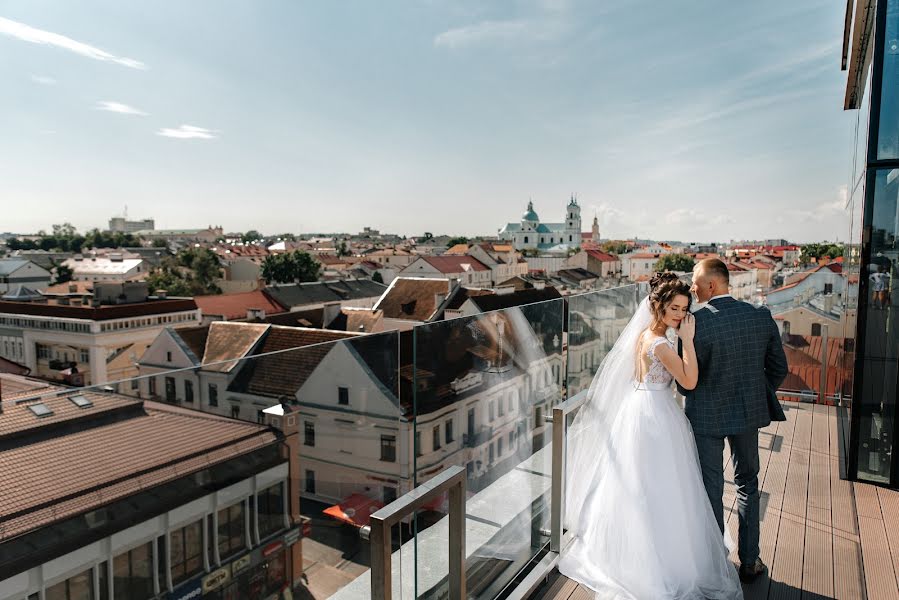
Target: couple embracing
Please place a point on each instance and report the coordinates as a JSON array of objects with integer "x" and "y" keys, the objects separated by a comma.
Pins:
[{"x": 645, "y": 484}]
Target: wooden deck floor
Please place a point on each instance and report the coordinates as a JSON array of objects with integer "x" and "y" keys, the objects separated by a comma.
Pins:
[{"x": 822, "y": 537}]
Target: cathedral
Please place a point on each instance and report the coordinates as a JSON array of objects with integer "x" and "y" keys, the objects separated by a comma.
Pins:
[{"x": 531, "y": 234}]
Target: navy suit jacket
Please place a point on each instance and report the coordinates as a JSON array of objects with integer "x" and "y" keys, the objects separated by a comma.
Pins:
[{"x": 741, "y": 366}]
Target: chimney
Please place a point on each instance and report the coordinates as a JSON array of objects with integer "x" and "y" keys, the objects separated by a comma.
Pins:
[
  {"x": 255, "y": 313},
  {"x": 330, "y": 312},
  {"x": 539, "y": 285},
  {"x": 504, "y": 291},
  {"x": 161, "y": 294}
]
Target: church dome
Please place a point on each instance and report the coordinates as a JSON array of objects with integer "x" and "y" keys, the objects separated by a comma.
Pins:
[{"x": 530, "y": 215}]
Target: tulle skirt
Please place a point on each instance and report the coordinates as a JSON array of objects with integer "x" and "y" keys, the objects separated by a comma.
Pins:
[{"x": 646, "y": 530}]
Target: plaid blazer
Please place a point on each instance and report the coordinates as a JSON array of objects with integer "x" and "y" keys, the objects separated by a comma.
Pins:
[{"x": 741, "y": 366}]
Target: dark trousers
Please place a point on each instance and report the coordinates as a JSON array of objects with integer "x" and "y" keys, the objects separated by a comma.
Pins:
[{"x": 745, "y": 452}]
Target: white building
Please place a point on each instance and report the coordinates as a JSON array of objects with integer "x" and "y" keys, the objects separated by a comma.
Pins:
[
  {"x": 113, "y": 267},
  {"x": 15, "y": 272},
  {"x": 531, "y": 234},
  {"x": 467, "y": 270}
]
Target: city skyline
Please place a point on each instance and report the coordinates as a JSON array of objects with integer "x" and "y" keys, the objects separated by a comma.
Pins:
[{"x": 669, "y": 123}]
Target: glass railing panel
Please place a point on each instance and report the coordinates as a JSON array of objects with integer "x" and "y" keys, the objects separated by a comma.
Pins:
[
  {"x": 241, "y": 475},
  {"x": 482, "y": 387},
  {"x": 595, "y": 320}
]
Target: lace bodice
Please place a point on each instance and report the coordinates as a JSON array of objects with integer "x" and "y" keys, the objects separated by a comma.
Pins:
[{"x": 657, "y": 373}]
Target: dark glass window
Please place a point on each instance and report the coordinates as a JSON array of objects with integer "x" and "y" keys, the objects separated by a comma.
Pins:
[
  {"x": 388, "y": 448},
  {"x": 448, "y": 432},
  {"x": 343, "y": 396},
  {"x": 170, "y": 389},
  {"x": 132, "y": 574},
  {"x": 213, "y": 395},
  {"x": 189, "y": 391},
  {"x": 308, "y": 433},
  {"x": 888, "y": 136},
  {"x": 187, "y": 552},
  {"x": 77, "y": 587},
  {"x": 435, "y": 437},
  {"x": 310, "y": 481},
  {"x": 232, "y": 531},
  {"x": 271, "y": 510}
]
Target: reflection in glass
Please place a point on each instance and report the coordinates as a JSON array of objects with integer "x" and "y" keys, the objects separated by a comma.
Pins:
[
  {"x": 888, "y": 135},
  {"x": 876, "y": 405},
  {"x": 493, "y": 377}
]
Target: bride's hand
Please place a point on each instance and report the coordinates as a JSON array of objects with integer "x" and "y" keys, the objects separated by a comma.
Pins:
[{"x": 687, "y": 328}]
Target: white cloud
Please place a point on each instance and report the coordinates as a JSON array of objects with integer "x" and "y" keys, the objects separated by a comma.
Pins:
[
  {"x": 513, "y": 30},
  {"x": 118, "y": 107},
  {"x": 185, "y": 132},
  {"x": 43, "y": 80},
  {"x": 27, "y": 33}
]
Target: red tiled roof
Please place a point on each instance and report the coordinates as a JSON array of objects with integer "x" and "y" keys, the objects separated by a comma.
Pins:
[
  {"x": 455, "y": 264},
  {"x": 602, "y": 256},
  {"x": 235, "y": 306}
]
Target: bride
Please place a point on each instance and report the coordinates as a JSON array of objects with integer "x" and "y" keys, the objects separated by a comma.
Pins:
[{"x": 643, "y": 525}]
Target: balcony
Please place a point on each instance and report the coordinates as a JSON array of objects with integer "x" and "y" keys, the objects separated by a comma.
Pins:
[{"x": 360, "y": 401}]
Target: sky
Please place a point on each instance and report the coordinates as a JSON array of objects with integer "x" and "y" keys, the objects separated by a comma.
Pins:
[{"x": 693, "y": 121}]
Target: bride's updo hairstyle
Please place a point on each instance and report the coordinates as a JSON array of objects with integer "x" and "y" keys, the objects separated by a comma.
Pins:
[{"x": 663, "y": 288}]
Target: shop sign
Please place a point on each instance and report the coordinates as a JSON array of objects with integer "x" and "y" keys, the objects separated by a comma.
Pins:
[
  {"x": 216, "y": 579},
  {"x": 188, "y": 592},
  {"x": 291, "y": 537},
  {"x": 272, "y": 548},
  {"x": 241, "y": 564}
]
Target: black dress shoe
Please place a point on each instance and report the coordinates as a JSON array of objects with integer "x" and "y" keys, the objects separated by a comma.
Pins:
[{"x": 749, "y": 573}]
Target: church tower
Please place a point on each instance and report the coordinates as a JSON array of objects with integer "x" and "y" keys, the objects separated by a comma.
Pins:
[
  {"x": 595, "y": 235},
  {"x": 573, "y": 220}
]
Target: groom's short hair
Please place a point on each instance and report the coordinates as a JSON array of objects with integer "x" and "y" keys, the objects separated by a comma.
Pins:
[{"x": 714, "y": 267}]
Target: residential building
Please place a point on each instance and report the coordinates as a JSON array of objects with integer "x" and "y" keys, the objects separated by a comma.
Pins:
[
  {"x": 208, "y": 235},
  {"x": 112, "y": 267},
  {"x": 15, "y": 272},
  {"x": 803, "y": 286},
  {"x": 359, "y": 293},
  {"x": 744, "y": 281},
  {"x": 465, "y": 269},
  {"x": 88, "y": 342},
  {"x": 389, "y": 257},
  {"x": 639, "y": 266},
  {"x": 475, "y": 302},
  {"x": 601, "y": 263},
  {"x": 531, "y": 234},
  {"x": 139, "y": 500},
  {"x": 410, "y": 301},
  {"x": 123, "y": 225},
  {"x": 230, "y": 307},
  {"x": 331, "y": 316},
  {"x": 813, "y": 318}
]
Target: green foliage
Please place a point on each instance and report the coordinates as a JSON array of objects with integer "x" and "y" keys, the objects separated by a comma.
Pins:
[
  {"x": 63, "y": 273},
  {"x": 614, "y": 247},
  {"x": 160, "y": 243},
  {"x": 457, "y": 240},
  {"x": 251, "y": 236},
  {"x": 342, "y": 249},
  {"x": 290, "y": 267},
  {"x": 675, "y": 262},
  {"x": 191, "y": 273},
  {"x": 813, "y": 252}
]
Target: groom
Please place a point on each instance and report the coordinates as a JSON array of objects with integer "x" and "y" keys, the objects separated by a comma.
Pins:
[{"x": 741, "y": 365}]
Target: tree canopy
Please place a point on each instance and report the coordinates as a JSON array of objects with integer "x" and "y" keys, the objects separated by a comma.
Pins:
[
  {"x": 679, "y": 263},
  {"x": 291, "y": 267}
]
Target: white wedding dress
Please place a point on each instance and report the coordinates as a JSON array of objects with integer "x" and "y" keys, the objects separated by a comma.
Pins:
[{"x": 643, "y": 525}]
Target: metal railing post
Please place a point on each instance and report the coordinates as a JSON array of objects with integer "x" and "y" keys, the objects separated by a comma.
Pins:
[
  {"x": 822, "y": 393},
  {"x": 558, "y": 479},
  {"x": 451, "y": 481}
]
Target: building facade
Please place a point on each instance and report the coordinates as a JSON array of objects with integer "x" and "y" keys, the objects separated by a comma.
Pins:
[{"x": 531, "y": 234}]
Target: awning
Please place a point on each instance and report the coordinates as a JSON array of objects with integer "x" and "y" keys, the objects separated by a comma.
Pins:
[{"x": 354, "y": 510}]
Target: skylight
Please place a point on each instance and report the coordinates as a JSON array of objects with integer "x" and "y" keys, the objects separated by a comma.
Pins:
[
  {"x": 81, "y": 401},
  {"x": 40, "y": 409}
]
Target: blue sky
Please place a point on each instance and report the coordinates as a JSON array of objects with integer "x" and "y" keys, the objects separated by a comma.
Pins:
[{"x": 693, "y": 120}]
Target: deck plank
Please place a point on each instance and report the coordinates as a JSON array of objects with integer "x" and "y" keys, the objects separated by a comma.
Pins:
[
  {"x": 880, "y": 577},
  {"x": 889, "y": 507},
  {"x": 817, "y": 568},
  {"x": 787, "y": 568}
]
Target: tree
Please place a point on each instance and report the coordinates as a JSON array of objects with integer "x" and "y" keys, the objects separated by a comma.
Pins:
[
  {"x": 63, "y": 273},
  {"x": 290, "y": 267},
  {"x": 251, "y": 236},
  {"x": 342, "y": 249},
  {"x": 160, "y": 243},
  {"x": 614, "y": 247},
  {"x": 191, "y": 273},
  {"x": 377, "y": 277},
  {"x": 680, "y": 263},
  {"x": 457, "y": 240}
]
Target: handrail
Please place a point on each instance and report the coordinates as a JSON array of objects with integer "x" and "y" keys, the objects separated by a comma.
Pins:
[
  {"x": 559, "y": 449},
  {"x": 451, "y": 479}
]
